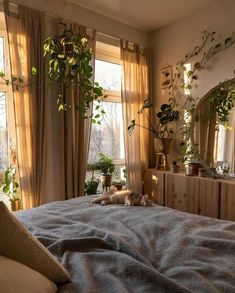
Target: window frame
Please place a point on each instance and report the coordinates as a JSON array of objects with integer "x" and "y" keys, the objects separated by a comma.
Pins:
[
  {"x": 8, "y": 92},
  {"x": 112, "y": 96}
]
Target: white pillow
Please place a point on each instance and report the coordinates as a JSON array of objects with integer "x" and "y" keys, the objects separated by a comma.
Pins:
[{"x": 17, "y": 243}]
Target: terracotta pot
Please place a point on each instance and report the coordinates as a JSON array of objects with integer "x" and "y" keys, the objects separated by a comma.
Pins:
[
  {"x": 162, "y": 145},
  {"x": 15, "y": 205},
  {"x": 106, "y": 180},
  {"x": 118, "y": 186},
  {"x": 194, "y": 167}
]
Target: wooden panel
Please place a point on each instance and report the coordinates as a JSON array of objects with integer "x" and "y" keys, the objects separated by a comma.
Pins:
[
  {"x": 203, "y": 197},
  {"x": 227, "y": 206},
  {"x": 154, "y": 185},
  {"x": 175, "y": 191}
]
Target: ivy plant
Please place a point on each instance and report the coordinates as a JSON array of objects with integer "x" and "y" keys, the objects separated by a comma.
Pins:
[
  {"x": 69, "y": 66},
  {"x": 9, "y": 186},
  {"x": 223, "y": 100}
]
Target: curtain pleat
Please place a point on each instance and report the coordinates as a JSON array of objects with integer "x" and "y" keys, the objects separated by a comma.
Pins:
[
  {"x": 52, "y": 146},
  {"x": 135, "y": 89},
  {"x": 25, "y": 31}
]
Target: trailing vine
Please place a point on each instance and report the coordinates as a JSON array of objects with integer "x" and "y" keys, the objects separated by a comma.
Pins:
[
  {"x": 223, "y": 100},
  {"x": 179, "y": 84},
  {"x": 69, "y": 58}
]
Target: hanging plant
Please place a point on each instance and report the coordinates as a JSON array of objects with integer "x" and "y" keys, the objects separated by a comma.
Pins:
[
  {"x": 69, "y": 66},
  {"x": 69, "y": 58}
]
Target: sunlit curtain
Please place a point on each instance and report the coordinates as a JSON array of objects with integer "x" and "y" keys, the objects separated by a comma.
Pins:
[
  {"x": 135, "y": 89},
  {"x": 52, "y": 146},
  {"x": 25, "y": 30}
]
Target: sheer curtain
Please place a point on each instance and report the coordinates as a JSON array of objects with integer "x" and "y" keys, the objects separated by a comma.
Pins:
[
  {"x": 52, "y": 147},
  {"x": 25, "y": 31},
  {"x": 135, "y": 89}
]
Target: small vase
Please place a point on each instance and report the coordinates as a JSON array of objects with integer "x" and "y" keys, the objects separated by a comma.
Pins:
[
  {"x": 174, "y": 168},
  {"x": 15, "y": 205}
]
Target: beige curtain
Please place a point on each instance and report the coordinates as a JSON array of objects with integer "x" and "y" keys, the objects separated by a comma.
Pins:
[
  {"x": 135, "y": 89},
  {"x": 25, "y": 32},
  {"x": 76, "y": 133},
  {"x": 52, "y": 146}
]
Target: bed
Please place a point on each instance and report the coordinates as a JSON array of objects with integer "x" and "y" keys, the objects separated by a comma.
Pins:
[{"x": 135, "y": 249}]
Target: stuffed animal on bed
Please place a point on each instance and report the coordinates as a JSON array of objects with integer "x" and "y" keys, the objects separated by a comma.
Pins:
[{"x": 123, "y": 197}]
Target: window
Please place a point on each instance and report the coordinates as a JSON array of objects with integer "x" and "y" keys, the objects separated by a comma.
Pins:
[
  {"x": 6, "y": 102},
  {"x": 107, "y": 138}
]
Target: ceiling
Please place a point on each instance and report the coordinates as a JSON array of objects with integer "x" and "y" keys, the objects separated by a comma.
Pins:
[{"x": 146, "y": 15}]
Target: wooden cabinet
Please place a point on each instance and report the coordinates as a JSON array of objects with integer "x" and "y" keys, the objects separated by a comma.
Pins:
[
  {"x": 154, "y": 185},
  {"x": 227, "y": 204},
  {"x": 203, "y": 196}
]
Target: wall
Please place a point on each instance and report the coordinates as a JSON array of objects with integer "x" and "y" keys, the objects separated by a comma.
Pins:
[
  {"x": 172, "y": 42},
  {"x": 88, "y": 18}
]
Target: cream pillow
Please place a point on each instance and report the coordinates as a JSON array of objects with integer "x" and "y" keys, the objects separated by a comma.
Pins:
[
  {"x": 17, "y": 278},
  {"x": 17, "y": 243}
]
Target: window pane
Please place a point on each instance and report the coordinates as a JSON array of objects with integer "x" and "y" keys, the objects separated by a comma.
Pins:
[
  {"x": 108, "y": 75},
  {"x": 2, "y": 59},
  {"x": 3, "y": 133},
  {"x": 107, "y": 138}
]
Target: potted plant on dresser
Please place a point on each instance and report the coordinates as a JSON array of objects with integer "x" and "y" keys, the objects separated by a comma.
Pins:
[{"x": 163, "y": 133}]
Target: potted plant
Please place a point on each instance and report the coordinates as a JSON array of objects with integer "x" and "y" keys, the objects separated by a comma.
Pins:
[
  {"x": 163, "y": 134},
  {"x": 91, "y": 186},
  {"x": 174, "y": 167},
  {"x": 106, "y": 168},
  {"x": 118, "y": 184},
  {"x": 11, "y": 188}
]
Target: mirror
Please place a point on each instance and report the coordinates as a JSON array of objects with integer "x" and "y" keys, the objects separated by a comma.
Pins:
[{"x": 213, "y": 130}]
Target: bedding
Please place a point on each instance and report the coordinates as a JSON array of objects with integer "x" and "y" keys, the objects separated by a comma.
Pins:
[{"x": 135, "y": 249}]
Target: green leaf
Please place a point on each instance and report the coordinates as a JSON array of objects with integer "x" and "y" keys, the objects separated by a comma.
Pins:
[{"x": 34, "y": 70}]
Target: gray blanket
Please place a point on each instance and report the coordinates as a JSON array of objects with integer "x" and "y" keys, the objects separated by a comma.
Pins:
[{"x": 121, "y": 249}]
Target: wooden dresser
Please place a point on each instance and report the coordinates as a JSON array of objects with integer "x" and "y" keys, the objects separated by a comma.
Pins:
[{"x": 198, "y": 195}]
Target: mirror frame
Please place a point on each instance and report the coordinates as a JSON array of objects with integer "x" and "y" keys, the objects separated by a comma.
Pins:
[{"x": 212, "y": 172}]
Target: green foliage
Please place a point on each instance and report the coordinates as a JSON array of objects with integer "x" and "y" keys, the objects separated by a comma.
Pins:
[
  {"x": 223, "y": 100},
  {"x": 9, "y": 186},
  {"x": 167, "y": 115},
  {"x": 105, "y": 165},
  {"x": 118, "y": 182},
  {"x": 69, "y": 66},
  {"x": 91, "y": 186}
]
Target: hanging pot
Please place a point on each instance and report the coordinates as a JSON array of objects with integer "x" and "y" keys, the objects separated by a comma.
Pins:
[
  {"x": 15, "y": 205},
  {"x": 162, "y": 145}
]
